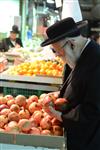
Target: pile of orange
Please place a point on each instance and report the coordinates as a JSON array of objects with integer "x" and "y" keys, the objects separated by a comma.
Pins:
[{"x": 39, "y": 67}]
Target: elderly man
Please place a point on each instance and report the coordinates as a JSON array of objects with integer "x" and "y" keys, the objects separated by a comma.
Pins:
[{"x": 80, "y": 116}]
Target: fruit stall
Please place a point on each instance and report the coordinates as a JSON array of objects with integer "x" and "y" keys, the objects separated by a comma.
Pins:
[
  {"x": 36, "y": 73},
  {"x": 23, "y": 119}
]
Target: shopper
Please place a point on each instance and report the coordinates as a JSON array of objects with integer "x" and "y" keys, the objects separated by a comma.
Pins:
[
  {"x": 11, "y": 41},
  {"x": 81, "y": 116}
]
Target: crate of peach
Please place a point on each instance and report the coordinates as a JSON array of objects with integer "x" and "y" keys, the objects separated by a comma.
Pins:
[
  {"x": 38, "y": 68},
  {"x": 21, "y": 116}
]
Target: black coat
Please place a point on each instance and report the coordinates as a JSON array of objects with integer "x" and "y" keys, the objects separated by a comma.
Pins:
[
  {"x": 82, "y": 89},
  {"x": 6, "y": 44}
]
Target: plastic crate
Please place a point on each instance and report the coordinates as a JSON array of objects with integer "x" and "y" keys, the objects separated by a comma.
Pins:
[{"x": 18, "y": 91}]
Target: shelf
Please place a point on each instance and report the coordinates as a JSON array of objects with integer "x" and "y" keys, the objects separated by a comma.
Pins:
[
  {"x": 35, "y": 79},
  {"x": 42, "y": 83},
  {"x": 32, "y": 140}
]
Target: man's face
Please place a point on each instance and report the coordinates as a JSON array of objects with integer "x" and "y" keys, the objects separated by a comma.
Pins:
[
  {"x": 13, "y": 36},
  {"x": 65, "y": 52}
]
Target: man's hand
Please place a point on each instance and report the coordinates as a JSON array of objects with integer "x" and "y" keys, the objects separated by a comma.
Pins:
[
  {"x": 52, "y": 112},
  {"x": 55, "y": 94}
]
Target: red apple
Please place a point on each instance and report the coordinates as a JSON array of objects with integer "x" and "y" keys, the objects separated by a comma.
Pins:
[
  {"x": 33, "y": 98},
  {"x": 35, "y": 131},
  {"x": 45, "y": 123},
  {"x": 9, "y": 97},
  {"x": 2, "y": 106},
  {"x": 3, "y": 120},
  {"x": 34, "y": 124},
  {"x": 42, "y": 96},
  {"x": 60, "y": 101},
  {"x": 20, "y": 100},
  {"x": 54, "y": 121},
  {"x": 15, "y": 107},
  {"x": 25, "y": 125},
  {"x": 46, "y": 132},
  {"x": 5, "y": 111},
  {"x": 24, "y": 114},
  {"x": 2, "y": 130},
  {"x": 3, "y": 100},
  {"x": 60, "y": 104},
  {"x": 34, "y": 106},
  {"x": 13, "y": 116},
  {"x": 37, "y": 116},
  {"x": 12, "y": 127},
  {"x": 57, "y": 130},
  {"x": 10, "y": 102}
]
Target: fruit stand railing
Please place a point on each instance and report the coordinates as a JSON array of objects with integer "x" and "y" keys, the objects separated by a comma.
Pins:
[{"x": 42, "y": 83}]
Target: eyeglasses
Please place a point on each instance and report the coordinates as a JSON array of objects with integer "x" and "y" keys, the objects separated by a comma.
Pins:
[{"x": 54, "y": 51}]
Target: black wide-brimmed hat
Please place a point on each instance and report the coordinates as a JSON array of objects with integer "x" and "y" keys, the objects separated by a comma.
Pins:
[
  {"x": 15, "y": 29},
  {"x": 64, "y": 28}
]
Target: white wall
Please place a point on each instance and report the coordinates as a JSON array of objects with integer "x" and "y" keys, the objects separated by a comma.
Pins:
[{"x": 8, "y": 9}]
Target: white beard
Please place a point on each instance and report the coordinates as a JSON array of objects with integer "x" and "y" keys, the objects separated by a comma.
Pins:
[
  {"x": 72, "y": 55},
  {"x": 69, "y": 56}
]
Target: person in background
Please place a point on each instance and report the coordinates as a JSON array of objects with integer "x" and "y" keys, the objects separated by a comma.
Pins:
[
  {"x": 11, "y": 41},
  {"x": 80, "y": 115}
]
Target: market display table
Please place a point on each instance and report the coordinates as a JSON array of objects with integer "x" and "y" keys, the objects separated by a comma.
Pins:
[
  {"x": 42, "y": 83},
  {"x": 28, "y": 141}
]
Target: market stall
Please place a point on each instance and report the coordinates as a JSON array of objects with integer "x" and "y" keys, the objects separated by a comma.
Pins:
[{"x": 33, "y": 75}]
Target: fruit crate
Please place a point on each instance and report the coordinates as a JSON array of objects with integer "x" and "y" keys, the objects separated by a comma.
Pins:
[{"x": 18, "y": 91}]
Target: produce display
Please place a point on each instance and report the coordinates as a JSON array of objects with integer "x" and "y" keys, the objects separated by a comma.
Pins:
[
  {"x": 38, "y": 67},
  {"x": 3, "y": 63},
  {"x": 28, "y": 115}
]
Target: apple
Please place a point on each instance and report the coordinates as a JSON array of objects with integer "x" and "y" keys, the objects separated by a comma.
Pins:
[
  {"x": 2, "y": 106},
  {"x": 12, "y": 127},
  {"x": 60, "y": 101},
  {"x": 5, "y": 111},
  {"x": 35, "y": 131},
  {"x": 57, "y": 130},
  {"x": 3, "y": 120},
  {"x": 25, "y": 125},
  {"x": 42, "y": 96},
  {"x": 33, "y": 98},
  {"x": 33, "y": 123},
  {"x": 15, "y": 107},
  {"x": 2, "y": 130},
  {"x": 3, "y": 100},
  {"x": 37, "y": 116},
  {"x": 10, "y": 102},
  {"x": 20, "y": 100},
  {"x": 13, "y": 116},
  {"x": 24, "y": 114},
  {"x": 54, "y": 121},
  {"x": 45, "y": 123},
  {"x": 9, "y": 97},
  {"x": 46, "y": 132},
  {"x": 60, "y": 104},
  {"x": 34, "y": 106}
]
